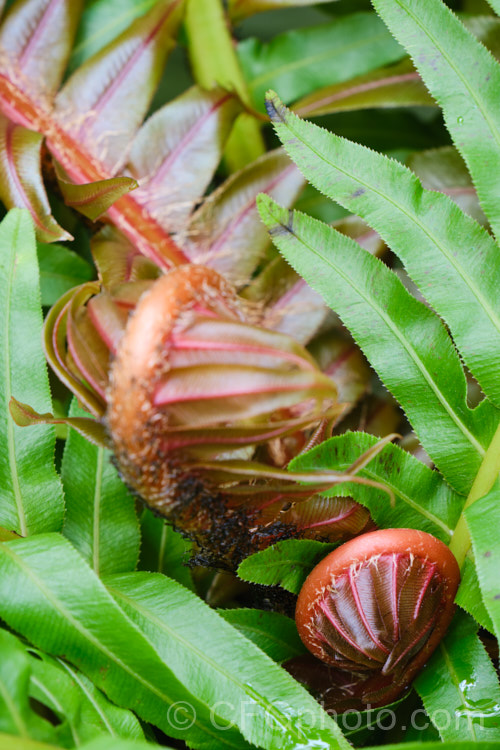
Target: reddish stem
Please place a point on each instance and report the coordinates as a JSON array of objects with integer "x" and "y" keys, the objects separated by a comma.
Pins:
[{"x": 127, "y": 214}]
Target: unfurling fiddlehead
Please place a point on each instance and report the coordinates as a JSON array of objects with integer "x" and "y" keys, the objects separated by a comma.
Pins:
[
  {"x": 374, "y": 610},
  {"x": 194, "y": 390}
]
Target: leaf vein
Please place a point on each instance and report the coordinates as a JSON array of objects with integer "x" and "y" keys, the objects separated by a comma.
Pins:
[{"x": 408, "y": 348}]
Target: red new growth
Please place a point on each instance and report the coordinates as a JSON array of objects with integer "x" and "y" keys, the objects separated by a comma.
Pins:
[{"x": 377, "y": 607}]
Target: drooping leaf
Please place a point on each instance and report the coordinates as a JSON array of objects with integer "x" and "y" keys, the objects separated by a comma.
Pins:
[
  {"x": 423, "y": 500},
  {"x": 177, "y": 150},
  {"x": 101, "y": 22},
  {"x": 395, "y": 86},
  {"x": 164, "y": 550},
  {"x": 100, "y": 517},
  {"x": 272, "y": 632},
  {"x": 94, "y": 105},
  {"x": 70, "y": 613},
  {"x": 459, "y": 686},
  {"x": 94, "y": 198},
  {"x": 25, "y": 416},
  {"x": 21, "y": 182},
  {"x": 87, "y": 351},
  {"x": 240, "y": 9},
  {"x": 221, "y": 667},
  {"x": 286, "y": 564},
  {"x": 483, "y": 520},
  {"x": 448, "y": 255},
  {"x": 464, "y": 78},
  {"x": 54, "y": 343},
  {"x": 16, "y": 716},
  {"x": 443, "y": 169},
  {"x": 83, "y": 710},
  {"x": 36, "y": 38},
  {"x": 391, "y": 327},
  {"x": 60, "y": 270},
  {"x": 226, "y": 233},
  {"x": 298, "y": 62},
  {"x": 31, "y": 499}
]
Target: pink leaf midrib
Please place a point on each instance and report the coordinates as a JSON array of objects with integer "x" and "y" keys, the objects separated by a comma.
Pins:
[
  {"x": 162, "y": 399},
  {"x": 359, "y": 89},
  {"x": 335, "y": 519},
  {"x": 228, "y": 347},
  {"x": 9, "y": 137},
  {"x": 110, "y": 90},
  {"x": 238, "y": 440},
  {"x": 231, "y": 226},
  {"x": 333, "y": 621},
  {"x": 162, "y": 171},
  {"x": 289, "y": 295},
  {"x": 39, "y": 30},
  {"x": 362, "y": 613},
  {"x": 127, "y": 213}
]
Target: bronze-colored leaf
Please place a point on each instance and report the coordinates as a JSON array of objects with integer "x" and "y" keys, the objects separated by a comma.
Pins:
[
  {"x": 226, "y": 232},
  {"x": 21, "y": 182},
  {"x": 118, "y": 261},
  {"x": 285, "y": 302},
  {"x": 25, "y": 416},
  {"x": 94, "y": 198},
  {"x": 95, "y": 107},
  {"x": 56, "y": 347},
  {"x": 192, "y": 380},
  {"x": 328, "y": 519},
  {"x": 241, "y": 9},
  {"x": 176, "y": 153},
  {"x": 35, "y": 42},
  {"x": 394, "y": 86}
]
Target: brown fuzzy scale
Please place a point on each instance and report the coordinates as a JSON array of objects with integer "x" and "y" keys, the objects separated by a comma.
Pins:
[
  {"x": 148, "y": 434},
  {"x": 163, "y": 478},
  {"x": 375, "y": 609},
  {"x": 136, "y": 425}
]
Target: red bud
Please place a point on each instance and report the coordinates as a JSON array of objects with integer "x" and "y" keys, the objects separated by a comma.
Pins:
[{"x": 377, "y": 607}]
